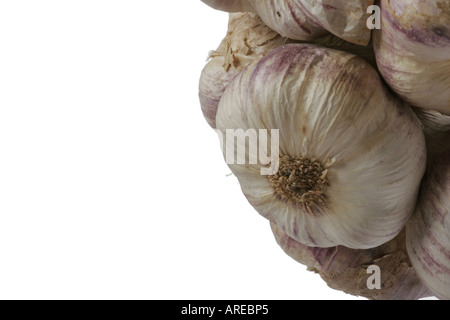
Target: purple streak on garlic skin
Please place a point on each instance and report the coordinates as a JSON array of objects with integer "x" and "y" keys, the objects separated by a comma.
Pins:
[
  {"x": 302, "y": 25},
  {"x": 213, "y": 81},
  {"x": 302, "y": 8},
  {"x": 209, "y": 109},
  {"x": 421, "y": 36},
  {"x": 304, "y": 28},
  {"x": 344, "y": 269},
  {"x": 436, "y": 37},
  {"x": 421, "y": 28},
  {"x": 274, "y": 63},
  {"x": 413, "y": 59},
  {"x": 428, "y": 242}
]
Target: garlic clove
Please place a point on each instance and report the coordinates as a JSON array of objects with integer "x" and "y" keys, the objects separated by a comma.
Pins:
[
  {"x": 351, "y": 155},
  {"x": 347, "y": 269},
  {"x": 427, "y": 233},
  {"x": 247, "y": 39},
  {"x": 436, "y": 127},
  {"x": 413, "y": 51},
  {"x": 213, "y": 81}
]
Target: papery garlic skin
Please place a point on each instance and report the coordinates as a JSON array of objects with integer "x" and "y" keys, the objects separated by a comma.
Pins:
[
  {"x": 247, "y": 39},
  {"x": 288, "y": 18},
  {"x": 308, "y": 19},
  {"x": 303, "y": 19},
  {"x": 331, "y": 108},
  {"x": 427, "y": 233},
  {"x": 345, "y": 269},
  {"x": 346, "y": 19},
  {"x": 413, "y": 51},
  {"x": 419, "y": 27},
  {"x": 333, "y": 42}
]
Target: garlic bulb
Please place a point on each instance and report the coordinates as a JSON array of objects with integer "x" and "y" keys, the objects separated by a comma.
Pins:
[
  {"x": 247, "y": 39},
  {"x": 413, "y": 51},
  {"x": 436, "y": 127},
  {"x": 308, "y": 19},
  {"x": 351, "y": 155},
  {"x": 347, "y": 269},
  {"x": 428, "y": 232}
]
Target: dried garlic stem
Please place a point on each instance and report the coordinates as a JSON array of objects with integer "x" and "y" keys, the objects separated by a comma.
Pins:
[{"x": 301, "y": 182}]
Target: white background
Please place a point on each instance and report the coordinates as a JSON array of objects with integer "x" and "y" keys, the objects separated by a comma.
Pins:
[{"x": 112, "y": 185}]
